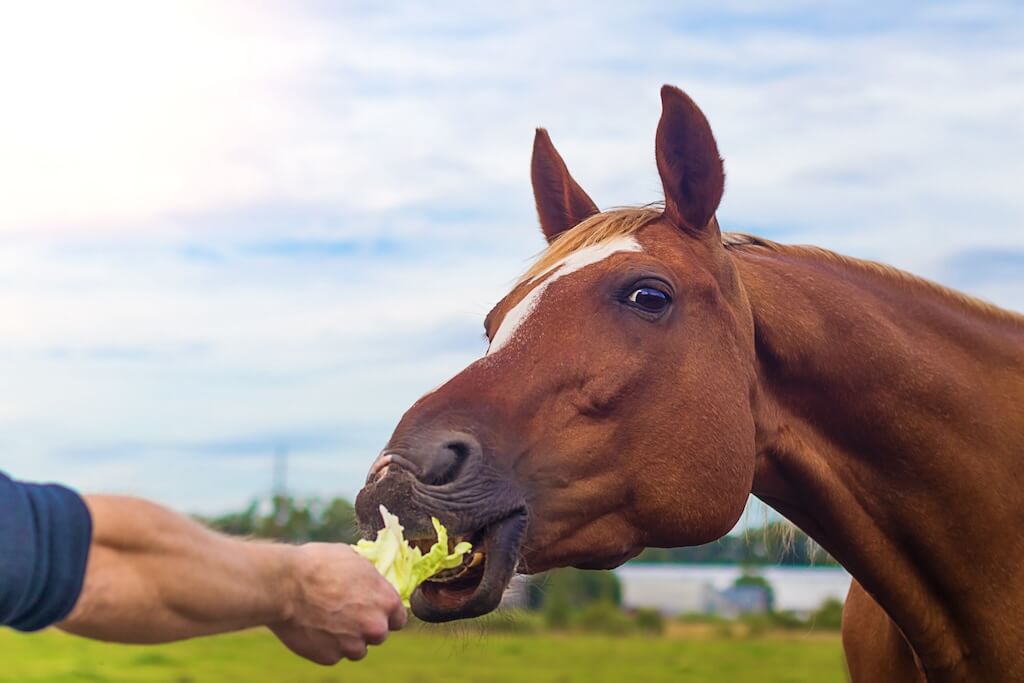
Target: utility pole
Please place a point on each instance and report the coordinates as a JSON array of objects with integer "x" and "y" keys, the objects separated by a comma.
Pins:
[{"x": 279, "y": 487}]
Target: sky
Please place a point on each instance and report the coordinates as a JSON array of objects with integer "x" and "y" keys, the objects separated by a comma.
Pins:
[{"x": 232, "y": 228}]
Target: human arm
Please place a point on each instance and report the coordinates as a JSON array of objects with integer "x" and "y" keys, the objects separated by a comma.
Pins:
[{"x": 156, "y": 576}]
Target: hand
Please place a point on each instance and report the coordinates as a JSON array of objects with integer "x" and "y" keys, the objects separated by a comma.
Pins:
[{"x": 340, "y": 605}]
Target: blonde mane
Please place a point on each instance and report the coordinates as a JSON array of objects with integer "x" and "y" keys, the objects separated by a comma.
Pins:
[{"x": 597, "y": 229}]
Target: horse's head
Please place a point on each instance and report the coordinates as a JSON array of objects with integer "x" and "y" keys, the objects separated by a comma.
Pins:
[{"x": 613, "y": 409}]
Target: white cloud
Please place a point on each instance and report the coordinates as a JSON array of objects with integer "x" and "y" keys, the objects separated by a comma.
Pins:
[
  {"x": 154, "y": 159},
  {"x": 120, "y": 112}
]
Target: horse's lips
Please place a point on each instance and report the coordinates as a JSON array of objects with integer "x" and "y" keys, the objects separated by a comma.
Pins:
[{"x": 438, "y": 602}]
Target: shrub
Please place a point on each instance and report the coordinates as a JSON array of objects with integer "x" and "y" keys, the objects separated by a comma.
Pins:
[
  {"x": 787, "y": 620},
  {"x": 557, "y": 612},
  {"x": 748, "y": 579},
  {"x": 829, "y": 616},
  {"x": 649, "y": 620},
  {"x": 604, "y": 617},
  {"x": 578, "y": 587}
]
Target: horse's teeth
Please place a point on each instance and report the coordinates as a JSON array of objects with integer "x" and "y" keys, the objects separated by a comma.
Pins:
[{"x": 476, "y": 559}]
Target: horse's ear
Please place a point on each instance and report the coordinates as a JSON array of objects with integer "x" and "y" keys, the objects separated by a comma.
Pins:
[
  {"x": 561, "y": 202},
  {"x": 688, "y": 162}
]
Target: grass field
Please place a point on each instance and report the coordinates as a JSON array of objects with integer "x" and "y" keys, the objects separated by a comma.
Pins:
[{"x": 423, "y": 657}]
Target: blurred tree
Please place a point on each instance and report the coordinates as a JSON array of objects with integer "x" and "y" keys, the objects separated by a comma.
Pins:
[
  {"x": 604, "y": 617},
  {"x": 557, "y": 612},
  {"x": 294, "y": 520},
  {"x": 337, "y": 523},
  {"x": 829, "y": 615},
  {"x": 244, "y": 523},
  {"x": 577, "y": 588},
  {"x": 777, "y": 543},
  {"x": 311, "y": 519},
  {"x": 749, "y": 578},
  {"x": 649, "y": 620}
]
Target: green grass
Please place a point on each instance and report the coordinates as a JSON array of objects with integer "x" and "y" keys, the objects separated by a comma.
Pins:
[{"x": 424, "y": 657}]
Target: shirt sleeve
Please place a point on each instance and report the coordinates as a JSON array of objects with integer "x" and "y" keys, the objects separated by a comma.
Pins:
[{"x": 45, "y": 533}]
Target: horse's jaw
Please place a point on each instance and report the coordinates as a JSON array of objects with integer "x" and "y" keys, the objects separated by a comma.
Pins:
[{"x": 480, "y": 589}]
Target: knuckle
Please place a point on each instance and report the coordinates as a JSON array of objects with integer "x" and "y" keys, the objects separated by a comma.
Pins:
[
  {"x": 393, "y": 603},
  {"x": 376, "y": 633},
  {"x": 355, "y": 651}
]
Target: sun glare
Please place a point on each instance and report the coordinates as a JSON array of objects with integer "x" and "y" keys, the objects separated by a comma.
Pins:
[{"x": 111, "y": 110}]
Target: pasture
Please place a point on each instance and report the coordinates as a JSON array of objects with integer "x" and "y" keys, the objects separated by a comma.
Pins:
[{"x": 417, "y": 656}]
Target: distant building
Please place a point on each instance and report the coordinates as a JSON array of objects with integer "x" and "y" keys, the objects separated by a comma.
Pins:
[
  {"x": 709, "y": 589},
  {"x": 669, "y": 592},
  {"x": 737, "y": 600}
]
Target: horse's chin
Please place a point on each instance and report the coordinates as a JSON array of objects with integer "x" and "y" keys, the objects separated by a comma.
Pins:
[
  {"x": 609, "y": 561},
  {"x": 551, "y": 558},
  {"x": 477, "y": 591}
]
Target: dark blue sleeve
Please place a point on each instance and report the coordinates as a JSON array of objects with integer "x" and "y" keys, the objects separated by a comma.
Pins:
[{"x": 45, "y": 532}]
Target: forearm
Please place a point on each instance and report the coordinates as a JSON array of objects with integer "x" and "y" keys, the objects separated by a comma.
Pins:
[{"x": 156, "y": 576}]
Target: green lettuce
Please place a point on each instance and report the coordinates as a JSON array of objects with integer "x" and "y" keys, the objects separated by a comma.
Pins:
[{"x": 404, "y": 566}]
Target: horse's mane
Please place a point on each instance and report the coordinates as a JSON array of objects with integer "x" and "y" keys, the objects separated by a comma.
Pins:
[
  {"x": 625, "y": 221},
  {"x": 743, "y": 242},
  {"x": 599, "y": 228}
]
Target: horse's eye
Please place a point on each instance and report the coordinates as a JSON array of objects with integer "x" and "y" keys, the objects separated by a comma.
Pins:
[{"x": 649, "y": 299}]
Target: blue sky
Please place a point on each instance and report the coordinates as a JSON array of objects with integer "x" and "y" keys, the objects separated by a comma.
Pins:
[{"x": 228, "y": 228}]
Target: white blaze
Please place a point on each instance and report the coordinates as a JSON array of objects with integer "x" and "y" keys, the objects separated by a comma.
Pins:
[{"x": 581, "y": 258}]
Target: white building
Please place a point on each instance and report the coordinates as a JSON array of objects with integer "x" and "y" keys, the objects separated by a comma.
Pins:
[{"x": 696, "y": 588}]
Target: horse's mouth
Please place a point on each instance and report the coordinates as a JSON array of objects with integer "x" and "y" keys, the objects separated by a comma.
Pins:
[{"x": 474, "y": 588}]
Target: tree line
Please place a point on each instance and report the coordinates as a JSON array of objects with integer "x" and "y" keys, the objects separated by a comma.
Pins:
[{"x": 300, "y": 520}]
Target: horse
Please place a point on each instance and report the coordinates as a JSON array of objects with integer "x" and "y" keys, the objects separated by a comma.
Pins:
[{"x": 649, "y": 372}]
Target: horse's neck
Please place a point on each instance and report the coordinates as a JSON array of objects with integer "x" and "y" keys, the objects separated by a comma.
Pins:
[{"x": 891, "y": 428}]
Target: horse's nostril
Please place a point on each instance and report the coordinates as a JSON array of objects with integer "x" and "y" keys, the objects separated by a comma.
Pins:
[
  {"x": 444, "y": 463},
  {"x": 447, "y": 463},
  {"x": 434, "y": 457},
  {"x": 459, "y": 448}
]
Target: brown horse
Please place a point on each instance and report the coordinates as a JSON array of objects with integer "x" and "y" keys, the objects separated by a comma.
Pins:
[{"x": 649, "y": 372}]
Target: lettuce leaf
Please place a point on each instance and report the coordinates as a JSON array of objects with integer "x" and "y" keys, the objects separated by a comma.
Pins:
[{"x": 404, "y": 566}]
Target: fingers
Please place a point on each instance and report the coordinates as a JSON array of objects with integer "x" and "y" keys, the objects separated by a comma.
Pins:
[
  {"x": 344, "y": 599},
  {"x": 352, "y": 648},
  {"x": 318, "y": 647},
  {"x": 376, "y": 633},
  {"x": 321, "y": 647},
  {"x": 391, "y": 605},
  {"x": 397, "y": 617}
]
